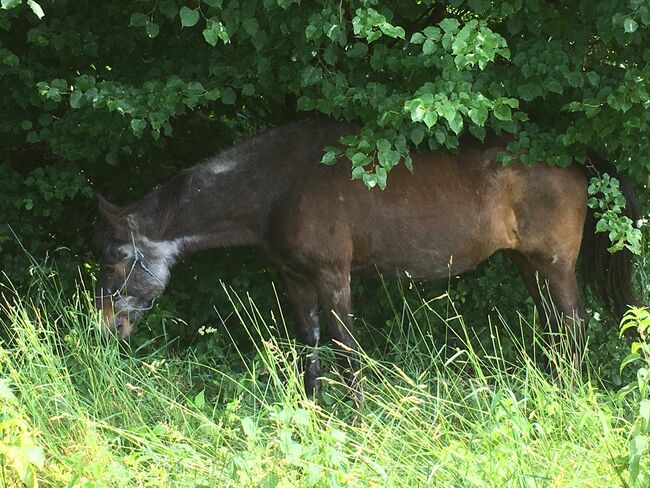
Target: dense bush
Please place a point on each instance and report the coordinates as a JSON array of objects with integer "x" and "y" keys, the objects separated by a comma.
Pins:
[{"x": 117, "y": 96}]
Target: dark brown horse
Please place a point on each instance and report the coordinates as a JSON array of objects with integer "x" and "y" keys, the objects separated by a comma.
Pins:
[{"x": 318, "y": 226}]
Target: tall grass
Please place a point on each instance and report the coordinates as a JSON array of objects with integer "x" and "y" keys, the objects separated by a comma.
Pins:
[{"x": 78, "y": 409}]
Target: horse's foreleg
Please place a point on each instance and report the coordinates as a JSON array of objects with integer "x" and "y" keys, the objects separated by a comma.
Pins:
[
  {"x": 303, "y": 295},
  {"x": 335, "y": 298}
]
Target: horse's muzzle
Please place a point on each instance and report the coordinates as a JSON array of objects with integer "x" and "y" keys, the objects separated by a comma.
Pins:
[{"x": 116, "y": 323}]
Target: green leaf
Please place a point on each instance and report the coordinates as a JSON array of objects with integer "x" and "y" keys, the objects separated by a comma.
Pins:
[
  {"x": 359, "y": 159},
  {"x": 408, "y": 162},
  {"x": 76, "y": 98},
  {"x": 228, "y": 96},
  {"x": 431, "y": 118},
  {"x": 644, "y": 412},
  {"x": 53, "y": 94},
  {"x": 138, "y": 19},
  {"x": 36, "y": 8},
  {"x": 249, "y": 427},
  {"x": 479, "y": 115},
  {"x": 138, "y": 125},
  {"x": 502, "y": 111},
  {"x": 630, "y": 358},
  {"x": 259, "y": 40},
  {"x": 210, "y": 35},
  {"x": 370, "y": 180},
  {"x": 392, "y": 31},
  {"x": 630, "y": 25},
  {"x": 270, "y": 481},
  {"x": 329, "y": 158},
  {"x": 418, "y": 113},
  {"x": 7, "y": 4},
  {"x": 417, "y": 135},
  {"x": 383, "y": 145},
  {"x": 447, "y": 110},
  {"x": 417, "y": 38},
  {"x": 638, "y": 447},
  {"x": 428, "y": 47},
  {"x": 251, "y": 26},
  {"x": 111, "y": 158},
  {"x": 555, "y": 86},
  {"x": 333, "y": 149},
  {"x": 6, "y": 395},
  {"x": 433, "y": 33},
  {"x": 216, "y": 31},
  {"x": 358, "y": 172},
  {"x": 449, "y": 25},
  {"x": 189, "y": 17},
  {"x": 168, "y": 8},
  {"x": 152, "y": 29},
  {"x": 456, "y": 124},
  {"x": 199, "y": 399},
  {"x": 382, "y": 177},
  {"x": 195, "y": 88},
  {"x": 312, "y": 32},
  {"x": 35, "y": 455},
  {"x": 212, "y": 95},
  {"x": 593, "y": 78},
  {"x": 302, "y": 417},
  {"x": 314, "y": 474}
]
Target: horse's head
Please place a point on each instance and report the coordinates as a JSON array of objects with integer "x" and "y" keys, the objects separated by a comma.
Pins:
[{"x": 134, "y": 270}]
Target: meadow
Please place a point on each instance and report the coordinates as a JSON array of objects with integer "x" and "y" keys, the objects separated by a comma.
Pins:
[{"x": 81, "y": 410}]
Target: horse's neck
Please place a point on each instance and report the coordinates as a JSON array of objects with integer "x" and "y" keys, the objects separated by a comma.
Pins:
[{"x": 224, "y": 204}]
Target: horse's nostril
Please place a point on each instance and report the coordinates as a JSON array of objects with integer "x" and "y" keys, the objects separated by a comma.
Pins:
[{"x": 124, "y": 327}]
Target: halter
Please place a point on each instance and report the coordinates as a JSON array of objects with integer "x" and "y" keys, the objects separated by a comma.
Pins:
[{"x": 138, "y": 259}]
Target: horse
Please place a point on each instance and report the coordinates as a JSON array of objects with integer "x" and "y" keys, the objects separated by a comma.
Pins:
[{"x": 317, "y": 226}]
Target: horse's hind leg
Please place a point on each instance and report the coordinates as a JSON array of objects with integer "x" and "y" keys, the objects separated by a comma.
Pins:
[
  {"x": 304, "y": 300},
  {"x": 335, "y": 297},
  {"x": 564, "y": 294},
  {"x": 552, "y": 283}
]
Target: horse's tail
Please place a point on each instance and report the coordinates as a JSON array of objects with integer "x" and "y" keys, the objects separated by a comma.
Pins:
[{"x": 609, "y": 274}]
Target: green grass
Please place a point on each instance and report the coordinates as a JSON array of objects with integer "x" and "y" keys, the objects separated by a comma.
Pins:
[{"x": 77, "y": 410}]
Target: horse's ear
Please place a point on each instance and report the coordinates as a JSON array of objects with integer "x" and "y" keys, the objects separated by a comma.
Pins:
[
  {"x": 106, "y": 207},
  {"x": 113, "y": 215}
]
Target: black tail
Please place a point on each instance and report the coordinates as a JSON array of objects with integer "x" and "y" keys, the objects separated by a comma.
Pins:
[{"x": 609, "y": 275}]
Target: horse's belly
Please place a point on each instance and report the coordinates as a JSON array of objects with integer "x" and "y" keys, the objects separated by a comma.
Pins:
[{"x": 421, "y": 256}]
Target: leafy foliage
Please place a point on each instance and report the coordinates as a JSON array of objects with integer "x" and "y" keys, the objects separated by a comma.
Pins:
[
  {"x": 609, "y": 202},
  {"x": 20, "y": 456},
  {"x": 638, "y": 460}
]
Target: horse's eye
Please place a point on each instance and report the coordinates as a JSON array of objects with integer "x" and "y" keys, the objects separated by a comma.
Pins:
[{"x": 113, "y": 257}]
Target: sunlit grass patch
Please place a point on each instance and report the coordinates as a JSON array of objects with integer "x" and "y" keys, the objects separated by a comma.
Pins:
[{"x": 106, "y": 415}]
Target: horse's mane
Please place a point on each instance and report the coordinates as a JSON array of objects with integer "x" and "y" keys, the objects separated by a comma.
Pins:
[{"x": 170, "y": 196}]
